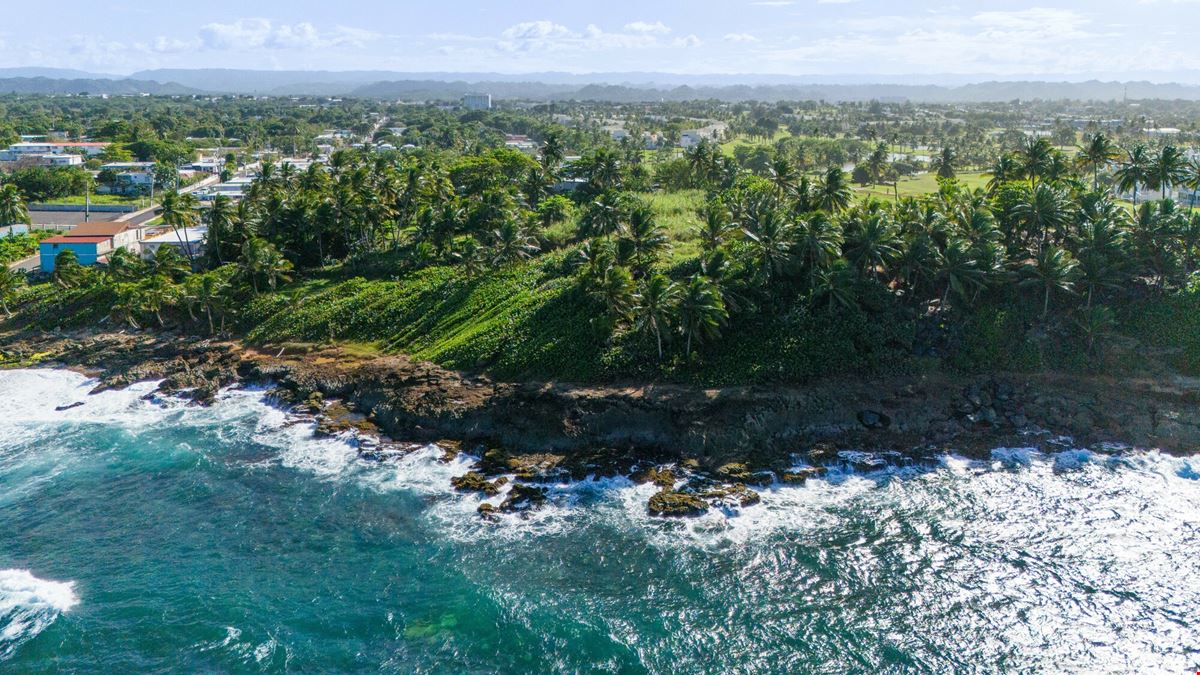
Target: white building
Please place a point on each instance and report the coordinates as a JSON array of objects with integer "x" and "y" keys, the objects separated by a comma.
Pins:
[
  {"x": 477, "y": 101},
  {"x": 693, "y": 137},
  {"x": 130, "y": 178},
  {"x": 188, "y": 240},
  {"x": 17, "y": 151}
]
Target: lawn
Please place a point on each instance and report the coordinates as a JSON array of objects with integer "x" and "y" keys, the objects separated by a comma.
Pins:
[
  {"x": 98, "y": 200},
  {"x": 676, "y": 213},
  {"x": 922, "y": 184}
]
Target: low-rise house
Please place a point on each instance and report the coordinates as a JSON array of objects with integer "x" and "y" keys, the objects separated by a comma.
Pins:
[
  {"x": 712, "y": 133},
  {"x": 91, "y": 242},
  {"x": 189, "y": 240},
  {"x": 18, "y": 150},
  {"x": 127, "y": 178},
  {"x": 521, "y": 143}
]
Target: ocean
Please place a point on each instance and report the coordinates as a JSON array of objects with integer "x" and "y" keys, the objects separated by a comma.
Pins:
[{"x": 139, "y": 533}]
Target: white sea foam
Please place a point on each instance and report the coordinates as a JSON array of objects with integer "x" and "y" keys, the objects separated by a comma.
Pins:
[
  {"x": 28, "y": 605},
  {"x": 1015, "y": 457},
  {"x": 1072, "y": 460}
]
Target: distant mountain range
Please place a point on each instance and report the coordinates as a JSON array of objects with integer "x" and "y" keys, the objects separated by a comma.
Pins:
[
  {"x": 617, "y": 87},
  {"x": 49, "y": 85}
]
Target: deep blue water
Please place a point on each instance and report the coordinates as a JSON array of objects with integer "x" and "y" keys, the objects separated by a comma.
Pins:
[{"x": 151, "y": 536}]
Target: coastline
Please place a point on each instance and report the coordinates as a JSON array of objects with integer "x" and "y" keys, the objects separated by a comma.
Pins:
[{"x": 703, "y": 447}]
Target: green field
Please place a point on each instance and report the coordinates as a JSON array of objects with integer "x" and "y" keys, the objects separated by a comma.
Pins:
[
  {"x": 922, "y": 184},
  {"x": 99, "y": 200}
]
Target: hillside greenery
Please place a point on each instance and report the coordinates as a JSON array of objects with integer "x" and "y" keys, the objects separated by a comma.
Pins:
[{"x": 698, "y": 268}]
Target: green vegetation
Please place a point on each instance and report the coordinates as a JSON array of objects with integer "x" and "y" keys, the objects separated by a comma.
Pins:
[
  {"x": 21, "y": 246},
  {"x": 761, "y": 261},
  {"x": 97, "y": 200}
]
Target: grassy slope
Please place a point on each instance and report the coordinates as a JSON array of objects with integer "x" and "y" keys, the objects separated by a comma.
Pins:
[{"x": 923, "y": 184}]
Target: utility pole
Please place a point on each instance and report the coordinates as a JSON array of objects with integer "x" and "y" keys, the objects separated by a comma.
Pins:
[{"x": 87, "y": 200}]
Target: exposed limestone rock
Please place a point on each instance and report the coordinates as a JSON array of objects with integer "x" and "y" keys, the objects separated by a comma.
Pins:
[
  {"x": 676, "y": 504},
  {"x": 477, "y": 482}
]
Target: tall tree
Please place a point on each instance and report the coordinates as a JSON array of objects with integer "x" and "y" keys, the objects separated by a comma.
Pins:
[
  {"x": 701, "y": 311},
  {"x": 1134, "y": 170},
  {"x": 655, "y": 306},
  {"x": 1097, "y": 153},
  {"x": 1169, "y": 167},
  {"x": 12, "y": 206}
]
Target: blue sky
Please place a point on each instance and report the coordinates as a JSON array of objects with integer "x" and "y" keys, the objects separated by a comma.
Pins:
[{"x": 1150, "y": 38}]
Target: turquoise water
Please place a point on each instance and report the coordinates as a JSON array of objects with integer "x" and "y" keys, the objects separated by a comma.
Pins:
[{"x": 143, "y": 535}]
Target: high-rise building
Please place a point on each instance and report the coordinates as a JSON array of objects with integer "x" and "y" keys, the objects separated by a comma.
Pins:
[{"x": 478, "y": 101}]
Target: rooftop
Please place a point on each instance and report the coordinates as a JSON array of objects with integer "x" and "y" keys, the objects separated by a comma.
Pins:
[
  {"x": 109, "y": 229},
  {"x": 64, "y": 239}
]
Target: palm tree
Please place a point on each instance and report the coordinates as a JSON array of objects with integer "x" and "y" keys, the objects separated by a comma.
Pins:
[
  {"x": 1035, "y": 157},
  {"x": 180, "y": 211},
  {"x": 836, "y": 285},
  {"x": 471, "y": 255},
  {"x": 511, "y": 242},
  {"x": 154, "y": 293},
  {"x": 783, "y": 175},
  {"x": 877, "y": 163},
  {"x": 1005, "y": 169},
  {"x": 552, "y": 154},
  {"x": 1043, "y": 210},
  {"x": 835, "y": 193},
  {"x": 11, "y": 282},
  {"x": 167, "y": 263},
  {"x": 1097, "y": 152},
  {"x": 12, "y": 206},
  {"x": 654, "y": 307},
  {"x": 123, "y": 265},
  {"x": 124, "y": 308},
  {"x": 219, "y": 218},
  {"x": 1054, "y": 270},
  {"x": 261, "y": 260},
  {"x": 1193, "y": 180},
  {"x": 944, "y": 163},
  {"x": 715, "y": 225},
  {"x": 1168, "y": 168},
  {"x": 818, "y": 242},
  {"x": 701, "y": 311},
  {"x": 67, "y": 270},
  {"x": 1189, "y": 242},
  {"x": 960, "y": 272},
  {"x": 208, "y": 290},
  {"x": 770, "y": 243},
  {"x": 604, "y": 216},
  {"x": 614, "y": 287},
  {"x": 1134, "y": 170},
  {"x": 872, "y": 241},
  {"x": 1101, "y": 248},
  {"x": 645, "y": 237},
  {"x": 1095, "y": 324}
]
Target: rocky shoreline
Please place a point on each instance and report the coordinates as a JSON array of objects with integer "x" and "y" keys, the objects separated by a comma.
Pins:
[{"x": 704, "y": 448}]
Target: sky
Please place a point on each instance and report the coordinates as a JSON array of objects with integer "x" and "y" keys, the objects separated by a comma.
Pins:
[{"x": 1152, "y": 39}]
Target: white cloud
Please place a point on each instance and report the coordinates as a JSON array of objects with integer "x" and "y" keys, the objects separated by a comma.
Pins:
[
  {"x": 249, "y": 34},
  {"x": 739, "y": 37},
  {"x": 657, "y": 27},
  {"x": 548, "y": 36}
]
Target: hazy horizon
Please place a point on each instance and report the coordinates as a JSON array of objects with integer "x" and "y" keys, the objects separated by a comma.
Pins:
[{"x": 910, "y": 41}]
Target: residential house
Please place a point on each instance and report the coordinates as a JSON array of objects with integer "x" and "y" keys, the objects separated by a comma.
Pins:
[
  {"x": 189, "y": 240},
  {"x": 128, "y": 178},
  {"x": 16, "y": 151},
  {"x": 91, "y": 242}
]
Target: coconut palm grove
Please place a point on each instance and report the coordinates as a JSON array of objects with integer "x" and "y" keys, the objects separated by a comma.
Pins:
[{"x": 804, "y": 240}]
